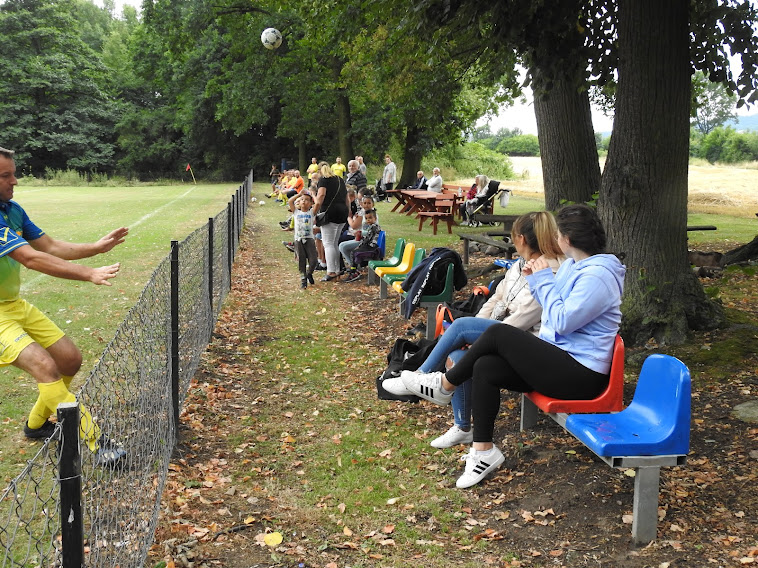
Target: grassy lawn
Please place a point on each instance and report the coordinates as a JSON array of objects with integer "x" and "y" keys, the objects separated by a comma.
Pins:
[
  {"x": 284, "y": 416},
  {"x": 90, "y": 314}
]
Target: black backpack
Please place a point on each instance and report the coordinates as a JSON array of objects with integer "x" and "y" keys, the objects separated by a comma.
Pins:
[{"x": 405, "y": 355}]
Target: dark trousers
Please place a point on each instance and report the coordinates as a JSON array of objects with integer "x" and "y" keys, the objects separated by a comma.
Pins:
[
  {"x": 505, "y": 357},
  {"x": 306, "y": 250}
]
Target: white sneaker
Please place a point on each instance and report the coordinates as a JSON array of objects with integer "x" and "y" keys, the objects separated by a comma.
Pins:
[
  {"x": 478, "y": 466},
  {"x": 453, "y": 437},
  {"x": 395, "y": 386},
  {"x": 427, "y": 386}
]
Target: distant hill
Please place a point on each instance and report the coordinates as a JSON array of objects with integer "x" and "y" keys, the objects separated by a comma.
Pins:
[{"x": 749, "y": 122}]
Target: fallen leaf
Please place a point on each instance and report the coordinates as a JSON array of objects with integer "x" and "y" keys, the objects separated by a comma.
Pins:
[{"x": 273, "y": 539}]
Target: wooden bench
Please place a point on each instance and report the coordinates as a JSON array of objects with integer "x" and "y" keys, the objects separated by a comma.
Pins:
[
  {"x": 487, "y": 238},
  {"x": 444, "y": 211}
]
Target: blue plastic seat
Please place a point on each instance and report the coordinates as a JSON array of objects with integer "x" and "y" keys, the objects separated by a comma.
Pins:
[
  {"x": 505, "y": 262},
  {"x": 381, "y": 242},
  {"x": 656, "y": 423}
]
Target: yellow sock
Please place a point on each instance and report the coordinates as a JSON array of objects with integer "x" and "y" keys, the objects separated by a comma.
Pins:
[
  {"x": 52, "y": 394},
  {"x": 40, "y": 412}
]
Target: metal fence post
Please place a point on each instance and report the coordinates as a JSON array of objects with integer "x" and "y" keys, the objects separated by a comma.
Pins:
[
  {"x": 210, "y": 270},
  {"x": 175, "y": 336},
  {"x": 230, "y": 240},
  {"x": 70, "y": 472}
]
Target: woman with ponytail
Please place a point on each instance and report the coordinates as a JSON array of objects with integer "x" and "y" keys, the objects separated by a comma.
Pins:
[
  {"x": 534, "y": 236},
  {"x": 569, "y": 360}
]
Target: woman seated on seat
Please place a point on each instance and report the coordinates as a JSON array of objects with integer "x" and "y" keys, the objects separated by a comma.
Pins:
[
  {"x": 569, "y": 360},
  {"x": 511, "y": 303},
  {"x": 471, "y": 203}
]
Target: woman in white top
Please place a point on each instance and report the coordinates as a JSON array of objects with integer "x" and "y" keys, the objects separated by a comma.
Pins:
[
  {"x": 482, "y": 183},
  {"x": 435, "y": 182},
  {"x": 512, "y": 303},
  {"x": 389, "y": 177}
]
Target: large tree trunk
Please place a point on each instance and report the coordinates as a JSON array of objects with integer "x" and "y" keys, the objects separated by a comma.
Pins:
[
  {"x": 643, "y": 199},
  {"x": 302, "y": 157},
  {"x": 570, "y": 167},
  {"x": 411, "y": 157},
  {"x": 344, "y": 126}
]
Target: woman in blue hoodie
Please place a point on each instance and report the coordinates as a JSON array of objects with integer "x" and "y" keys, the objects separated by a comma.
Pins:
[{"x": 570, "y": 359}]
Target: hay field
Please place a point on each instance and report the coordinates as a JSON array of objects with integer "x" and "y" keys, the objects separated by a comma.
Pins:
[{"x": 719, "y": 189}]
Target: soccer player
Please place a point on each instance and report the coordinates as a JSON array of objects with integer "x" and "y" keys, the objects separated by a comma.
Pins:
[{"x": 28, "y": 339}]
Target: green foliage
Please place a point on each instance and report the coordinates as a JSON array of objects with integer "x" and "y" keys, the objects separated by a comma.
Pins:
[
  {"x": 728, "y": 146},
  {"x": 522, "y": 145},
  {"x": 54, "y": 107},
  {"x": 712, "y": 104},
  {"x": 469, "y": 160}
]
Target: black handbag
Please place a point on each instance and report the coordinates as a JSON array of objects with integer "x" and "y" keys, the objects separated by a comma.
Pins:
[{"x": 321, "y": 215}]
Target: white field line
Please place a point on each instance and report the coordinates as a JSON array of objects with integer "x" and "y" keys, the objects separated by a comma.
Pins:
[{"x": 39, "y": 276}]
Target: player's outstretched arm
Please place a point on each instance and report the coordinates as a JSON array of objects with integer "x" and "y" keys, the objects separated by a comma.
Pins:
[
  {"x": 53, "y": 266},
  {"x": 75, "y": 251}
]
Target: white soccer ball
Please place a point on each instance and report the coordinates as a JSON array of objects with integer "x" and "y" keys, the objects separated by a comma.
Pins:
[
  {"x": 271, "y": 38},
  {"x": 261, "y": 203}
]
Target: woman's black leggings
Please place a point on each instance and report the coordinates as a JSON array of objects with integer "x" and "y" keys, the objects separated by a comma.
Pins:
[{"x": 505, "y": 357}]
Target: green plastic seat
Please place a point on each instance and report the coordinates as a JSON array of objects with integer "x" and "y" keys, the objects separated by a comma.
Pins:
[
  {"x": 431, "y": 301},
  {"x": 394, "y": 260},
  {"x": 387, "y": 279}
]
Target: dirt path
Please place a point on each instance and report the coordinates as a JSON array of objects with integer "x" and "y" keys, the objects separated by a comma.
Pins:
[{"x": 237, "y": 473}]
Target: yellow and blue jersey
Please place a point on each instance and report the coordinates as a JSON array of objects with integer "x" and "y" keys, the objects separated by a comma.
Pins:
[{"x": 16, "y": 229}]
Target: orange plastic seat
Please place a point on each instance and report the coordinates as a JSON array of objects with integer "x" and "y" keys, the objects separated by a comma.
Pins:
[{"x": 611, "y": 400}]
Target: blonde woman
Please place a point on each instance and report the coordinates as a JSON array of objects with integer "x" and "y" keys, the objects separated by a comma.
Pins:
[
  {"x": 331, "y": 198},
  {"x": 534, "y": 235}
]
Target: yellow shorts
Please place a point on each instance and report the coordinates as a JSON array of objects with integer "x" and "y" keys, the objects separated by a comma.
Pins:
[{"x": 21, "y": 324}]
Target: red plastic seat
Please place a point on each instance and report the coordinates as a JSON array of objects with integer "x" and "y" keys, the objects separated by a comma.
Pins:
[{"x": 611, "y": 400}]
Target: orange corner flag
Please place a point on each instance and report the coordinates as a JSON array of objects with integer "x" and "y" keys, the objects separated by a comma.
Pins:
[{"x": 189, "y": 169}]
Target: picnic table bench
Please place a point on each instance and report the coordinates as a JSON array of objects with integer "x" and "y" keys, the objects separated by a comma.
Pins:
[{"x": 488, "y": 239}]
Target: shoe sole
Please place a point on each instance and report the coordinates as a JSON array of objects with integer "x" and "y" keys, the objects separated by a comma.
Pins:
[
  {"x": 446, "y": 446},
  {"x": 488, "y": 471}
]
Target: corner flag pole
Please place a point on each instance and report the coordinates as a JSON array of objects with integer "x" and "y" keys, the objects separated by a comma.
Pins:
[{"x": 189, "y": 169}]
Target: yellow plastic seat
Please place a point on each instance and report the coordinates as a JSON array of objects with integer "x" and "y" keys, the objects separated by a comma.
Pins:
[{"x": 405, "y": 264}]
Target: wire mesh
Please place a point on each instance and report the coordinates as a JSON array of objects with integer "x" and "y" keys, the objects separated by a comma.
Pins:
[
  {"x": 30, "y": 524},
  {"x": 129, "y": 395}
]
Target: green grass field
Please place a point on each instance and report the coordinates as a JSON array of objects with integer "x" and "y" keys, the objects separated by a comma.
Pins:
[{"x": 90, "y": 314}]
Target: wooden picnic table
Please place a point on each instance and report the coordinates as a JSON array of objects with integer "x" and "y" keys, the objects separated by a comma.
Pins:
[{"x": 401, "y": 199}]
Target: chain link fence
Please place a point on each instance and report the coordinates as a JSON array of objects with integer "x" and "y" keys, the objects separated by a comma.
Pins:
[{"x": 134, "y": 394}]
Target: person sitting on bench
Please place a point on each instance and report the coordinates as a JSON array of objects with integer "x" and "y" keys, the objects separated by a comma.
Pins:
[
  {"x": 511, "y": 303},
  {"x": 570, "y": 359},
  {"x": 471, "y": 203},
  {"x": 420, "y": 182}
]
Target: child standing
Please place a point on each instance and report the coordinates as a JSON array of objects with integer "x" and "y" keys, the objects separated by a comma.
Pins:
[
  {"x": 305, "y": 244},
  {"x": 369, "y": 243}
]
